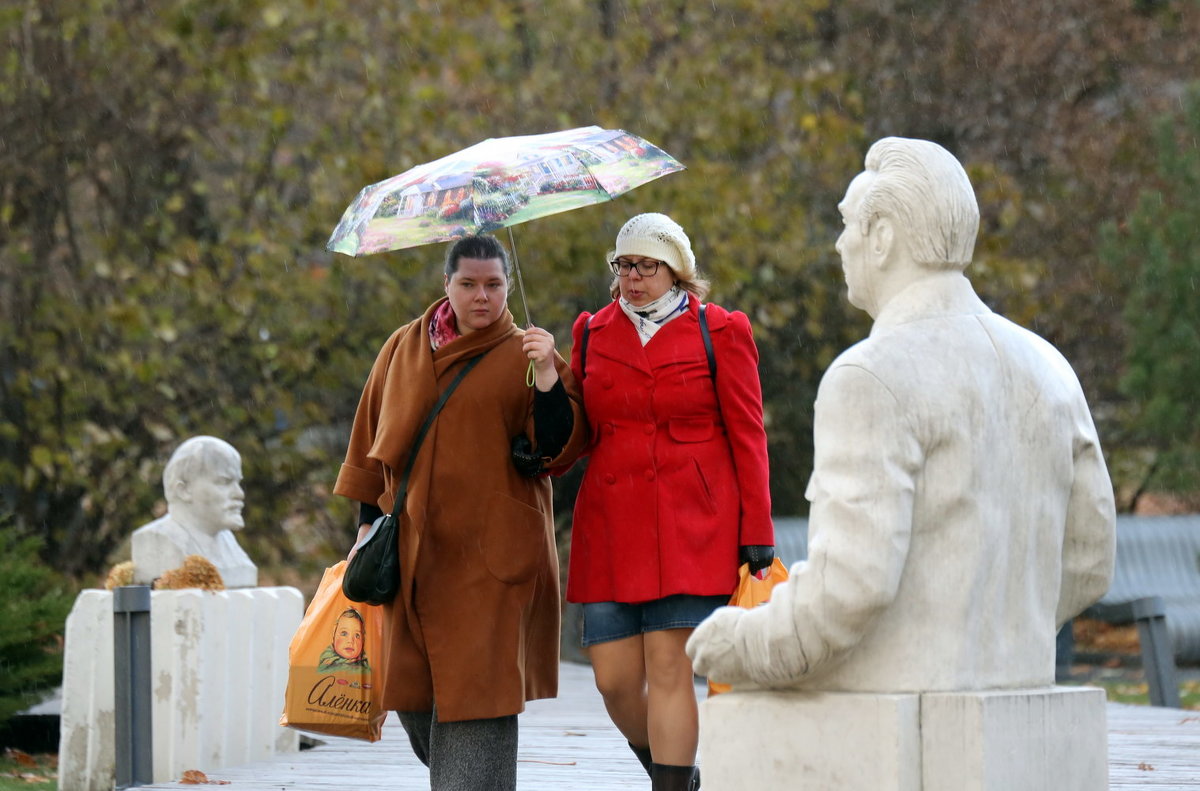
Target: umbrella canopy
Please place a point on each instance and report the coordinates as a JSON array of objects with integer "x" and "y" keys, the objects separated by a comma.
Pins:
[{"x": 500, "y": 182}]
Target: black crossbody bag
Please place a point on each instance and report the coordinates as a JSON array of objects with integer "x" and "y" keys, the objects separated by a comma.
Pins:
[{"x": 373, "y": 574}]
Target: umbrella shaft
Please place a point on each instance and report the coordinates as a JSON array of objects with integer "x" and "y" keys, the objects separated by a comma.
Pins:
[{"x": 512, "y": 243}]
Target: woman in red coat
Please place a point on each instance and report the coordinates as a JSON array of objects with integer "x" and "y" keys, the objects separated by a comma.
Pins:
[{"x": 675, "y": 495}]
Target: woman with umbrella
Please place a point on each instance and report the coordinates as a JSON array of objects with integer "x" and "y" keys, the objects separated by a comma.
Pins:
[
  {"x": 675, "y": 494},
  {"x": 474, "y": 631}
]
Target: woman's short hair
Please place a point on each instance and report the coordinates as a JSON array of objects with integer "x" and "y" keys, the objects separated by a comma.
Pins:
[{"x": 482, "y": 246}]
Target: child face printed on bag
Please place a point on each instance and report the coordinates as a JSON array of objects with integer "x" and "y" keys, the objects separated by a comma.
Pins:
[
  {"x": 347, "y": 651},
  {"x": 348, "y": 636}
]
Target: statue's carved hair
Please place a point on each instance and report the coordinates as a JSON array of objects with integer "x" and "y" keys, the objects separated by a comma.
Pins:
[
  {"x": 921, "y": 186},
  {"x": 193, "y": 458}
]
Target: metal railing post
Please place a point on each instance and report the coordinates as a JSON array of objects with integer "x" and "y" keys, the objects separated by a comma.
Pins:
[{"x": 131, "y": 686}]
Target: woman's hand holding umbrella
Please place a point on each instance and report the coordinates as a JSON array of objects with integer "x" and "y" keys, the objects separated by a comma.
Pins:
[{"x": 539, "y": 348}]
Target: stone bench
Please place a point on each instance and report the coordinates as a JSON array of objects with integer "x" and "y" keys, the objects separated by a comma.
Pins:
[{"x": 1158, "y": 556}]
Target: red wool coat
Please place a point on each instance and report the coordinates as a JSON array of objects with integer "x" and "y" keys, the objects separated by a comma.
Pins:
[{"x": 674, "y": 484}]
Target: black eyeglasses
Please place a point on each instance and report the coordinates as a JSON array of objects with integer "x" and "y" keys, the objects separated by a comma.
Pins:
[{"x": 647, "y": 267}]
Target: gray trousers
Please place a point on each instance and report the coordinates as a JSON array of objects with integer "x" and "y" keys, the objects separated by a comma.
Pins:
[{"x": 472, "y": 755}]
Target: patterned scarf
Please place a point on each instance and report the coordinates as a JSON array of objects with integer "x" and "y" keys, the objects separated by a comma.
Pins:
[
  {"x": 443, "y": 327},
  {"x": 649, "y": 318}
]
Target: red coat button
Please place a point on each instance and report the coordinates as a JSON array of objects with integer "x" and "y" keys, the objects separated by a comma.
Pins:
[{"x": 649, "y": 475}]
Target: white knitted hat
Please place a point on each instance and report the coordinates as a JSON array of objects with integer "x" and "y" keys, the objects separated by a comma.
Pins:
[{"x": 658, "y": 236}]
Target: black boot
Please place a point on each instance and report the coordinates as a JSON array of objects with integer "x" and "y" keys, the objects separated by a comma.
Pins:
[
  {"x": 665, "y": 777},
  {"x": 643, "y": 755}
]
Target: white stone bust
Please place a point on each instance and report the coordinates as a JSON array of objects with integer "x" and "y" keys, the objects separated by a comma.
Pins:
[
  {"x": 960, "y": 507},
  {"x": 202, "y": 485}
]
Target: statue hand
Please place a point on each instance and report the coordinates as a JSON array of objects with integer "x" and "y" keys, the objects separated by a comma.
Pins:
[{"x": 712, "y": 648}]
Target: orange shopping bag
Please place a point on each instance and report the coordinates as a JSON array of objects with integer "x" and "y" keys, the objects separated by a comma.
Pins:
[
  {"x": 336, "y": 665},
  {"x": 749, "y": 593}
]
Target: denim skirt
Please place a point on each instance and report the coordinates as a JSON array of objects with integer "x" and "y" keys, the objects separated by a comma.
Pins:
[{"x": 609, "y": 620}]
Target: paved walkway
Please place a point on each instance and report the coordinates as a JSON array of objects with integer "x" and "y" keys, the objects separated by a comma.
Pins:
[{"x": 569, "y": 743}]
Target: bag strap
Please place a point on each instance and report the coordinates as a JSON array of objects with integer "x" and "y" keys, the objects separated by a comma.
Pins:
[
  {"x": 705, "y": 335},
  {"x": 587, "y": 329},
  {"x": 402, "y": 490},
  {"x": 708, "y": 347}
]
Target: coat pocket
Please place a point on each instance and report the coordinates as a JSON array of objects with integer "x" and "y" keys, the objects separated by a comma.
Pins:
[
  {"x": 514, "y": 544},
  {"x": 706, "y": 494},
  {"x": 690, "y": 429}
]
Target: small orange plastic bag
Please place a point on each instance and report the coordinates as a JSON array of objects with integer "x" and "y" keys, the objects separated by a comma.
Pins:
[
  {"x": 336, "y": 664},
  {"x": 749, "y": 593}
]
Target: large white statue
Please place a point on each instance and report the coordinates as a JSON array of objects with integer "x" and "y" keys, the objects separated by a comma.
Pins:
[
  {"x": 202, "y": 485},
  {"x": 961, "y": 510}
]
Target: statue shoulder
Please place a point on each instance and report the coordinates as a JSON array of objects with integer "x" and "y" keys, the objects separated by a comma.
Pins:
[{"x": 164, "y": 525}]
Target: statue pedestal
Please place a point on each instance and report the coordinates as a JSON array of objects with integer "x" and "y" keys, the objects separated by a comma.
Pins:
[
  {"x": 1051, "y": 738},
  {"x": 843, "y": 741},
  {"x": 219, "y": 665}
]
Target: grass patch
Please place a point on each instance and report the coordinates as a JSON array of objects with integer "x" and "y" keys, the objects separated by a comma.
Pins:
[
  {"x": 1138, "y": 693},
  {"x": 20, "y": 770}
]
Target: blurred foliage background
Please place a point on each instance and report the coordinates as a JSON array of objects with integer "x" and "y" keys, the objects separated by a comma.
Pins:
[{"x": 169, "y": 174}]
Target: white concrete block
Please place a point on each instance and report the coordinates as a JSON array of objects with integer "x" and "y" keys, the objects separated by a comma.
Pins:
[
  {"x": 219, "y": 670},
  {"x": 843, "y": 741},
  {"x": 1051, "y": 739},
  {"x": 87, "y": 753}
]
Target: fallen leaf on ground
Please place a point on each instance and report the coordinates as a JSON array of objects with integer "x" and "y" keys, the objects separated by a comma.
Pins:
[
  {"x": 194, "y": 777},
  {"x": 22, "y": 758}
]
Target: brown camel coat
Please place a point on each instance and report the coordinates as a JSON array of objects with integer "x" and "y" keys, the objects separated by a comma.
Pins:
[{"x": 476, "y": 623}]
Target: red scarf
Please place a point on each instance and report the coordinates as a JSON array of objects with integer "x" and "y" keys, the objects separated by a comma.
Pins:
[{"x": 443, "y": 326}]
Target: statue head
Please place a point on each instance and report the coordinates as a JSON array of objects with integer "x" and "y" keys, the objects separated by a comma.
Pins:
[
  {"x": 202, "y": 484},
  {"x": 910, "y": 212}
]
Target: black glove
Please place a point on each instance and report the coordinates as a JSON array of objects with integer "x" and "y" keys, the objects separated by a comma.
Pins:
[
  {"x": 759, "y": 556},
  {"x": 524, "y": 459}
]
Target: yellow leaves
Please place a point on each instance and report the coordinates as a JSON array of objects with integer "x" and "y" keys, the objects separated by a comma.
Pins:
[
  {"x": 119, "y": 575},
  {"x": 273, "y": 16},
  {"x": 160, "y": 431},
  {"x": 195, "y": 572},
  {"x": 42, "y": 458}
]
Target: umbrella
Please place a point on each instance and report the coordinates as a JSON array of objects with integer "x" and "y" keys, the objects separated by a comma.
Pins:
[{"x": 500, "y": 182}]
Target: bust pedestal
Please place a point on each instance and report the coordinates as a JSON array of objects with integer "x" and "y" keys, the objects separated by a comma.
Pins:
[{"x": 220, "y": 665}]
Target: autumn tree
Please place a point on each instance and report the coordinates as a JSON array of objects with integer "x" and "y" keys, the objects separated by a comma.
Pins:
[
  {"x": 1155, "y": 255},
  {"x": 169, "y": 176},
  {"x": 1047, "y": 103}
]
